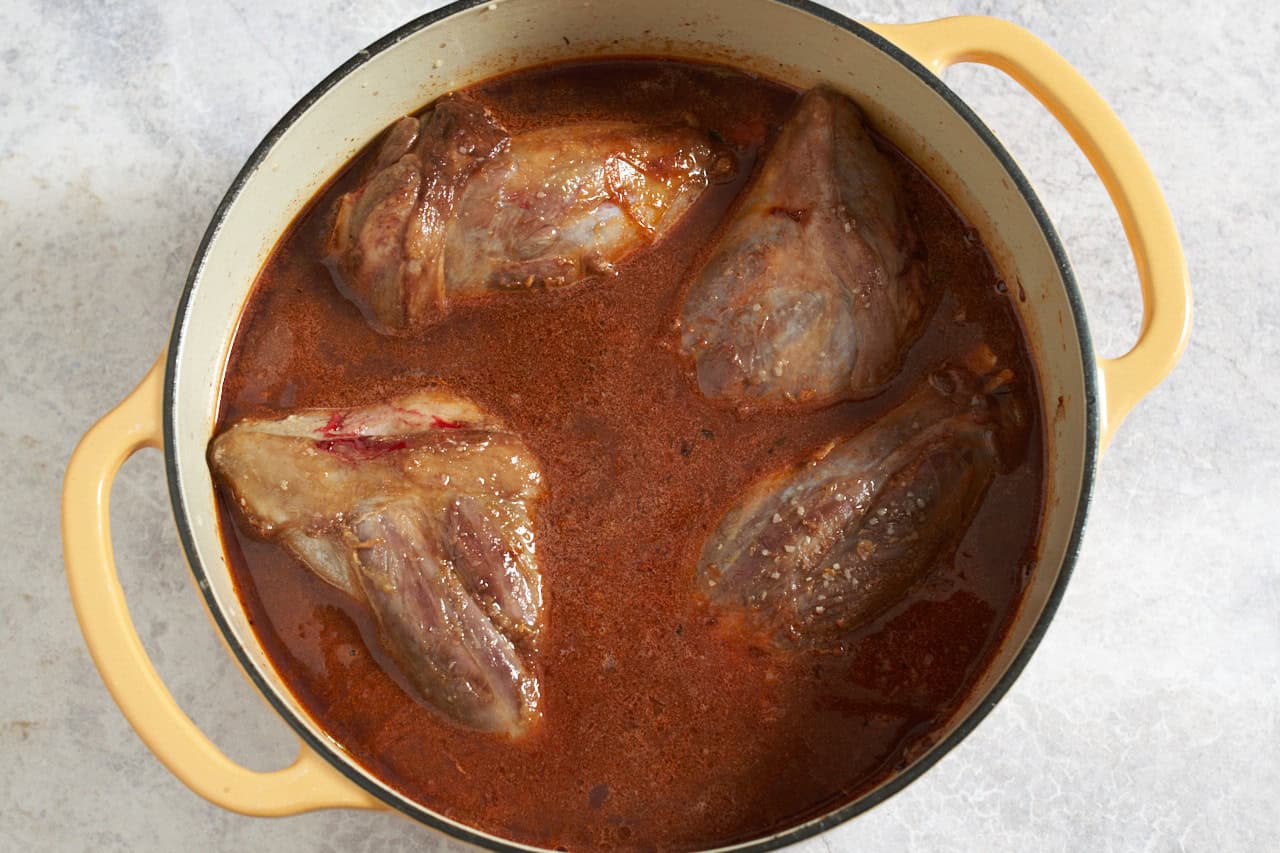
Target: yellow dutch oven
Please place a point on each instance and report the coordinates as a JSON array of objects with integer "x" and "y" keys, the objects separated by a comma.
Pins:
[{"x": 891, "y": 70}]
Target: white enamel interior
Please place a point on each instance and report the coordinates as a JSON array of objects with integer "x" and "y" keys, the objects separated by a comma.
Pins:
[{"x": 474, "y": 44}]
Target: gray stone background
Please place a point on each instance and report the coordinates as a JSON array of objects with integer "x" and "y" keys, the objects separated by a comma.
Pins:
[{"x": 1147, "y": 721}]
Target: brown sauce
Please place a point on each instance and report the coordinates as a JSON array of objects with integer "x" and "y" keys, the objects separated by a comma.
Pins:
[{"x": 658, "y": 731}]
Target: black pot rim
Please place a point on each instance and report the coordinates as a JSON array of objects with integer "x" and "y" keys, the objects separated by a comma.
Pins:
[{"x": 813, "y": 826}]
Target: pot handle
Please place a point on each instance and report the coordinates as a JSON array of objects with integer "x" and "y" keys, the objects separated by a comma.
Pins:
[
  {"x": 310, "y": 782},
  {"x": 1148, "y": 224}
]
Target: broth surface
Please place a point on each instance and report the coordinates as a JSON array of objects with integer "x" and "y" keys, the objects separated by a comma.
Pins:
[{"x": 658, "y": 730}]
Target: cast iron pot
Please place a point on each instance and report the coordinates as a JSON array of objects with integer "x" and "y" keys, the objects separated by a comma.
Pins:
[{"x": 890, "y": 70}]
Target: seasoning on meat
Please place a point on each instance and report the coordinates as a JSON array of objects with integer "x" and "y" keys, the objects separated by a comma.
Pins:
[
  {"x": 811, "y": 553},
  {"x": 422, "y": 508},
  {"x": 455, "y": 207},
  {"x": 816, "y": 289}
]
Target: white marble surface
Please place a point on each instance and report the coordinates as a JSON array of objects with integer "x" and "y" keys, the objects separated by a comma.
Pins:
[{"x": 1149, "y": 719}]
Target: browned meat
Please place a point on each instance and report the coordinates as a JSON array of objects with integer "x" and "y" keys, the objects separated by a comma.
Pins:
[
  {"x": 422, "y": 508},
  {"x": 455, "y": 207},
  {"x": 816, "y": 288},
  {"x": 811, "y": 553}
]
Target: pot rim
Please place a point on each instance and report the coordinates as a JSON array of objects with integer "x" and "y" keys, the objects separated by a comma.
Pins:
[{"x": 812, "y": 826}]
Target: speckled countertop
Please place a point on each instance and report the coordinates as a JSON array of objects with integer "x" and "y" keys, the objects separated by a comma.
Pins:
[{"x": 1148, "y": 720}]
